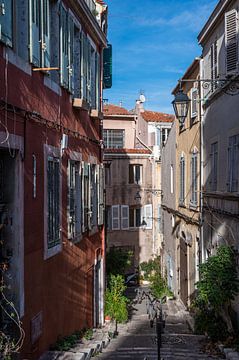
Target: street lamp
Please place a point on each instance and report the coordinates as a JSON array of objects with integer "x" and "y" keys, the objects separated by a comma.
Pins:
[{"x": 181, "y": 105}]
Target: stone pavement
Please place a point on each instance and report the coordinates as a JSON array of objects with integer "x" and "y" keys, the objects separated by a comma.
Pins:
[{"x": 136, "y": 340}]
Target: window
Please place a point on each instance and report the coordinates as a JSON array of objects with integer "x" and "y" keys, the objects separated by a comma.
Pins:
[
  {"x": 214, "y": 64},
  {"x": 165, "y": 134},
  {"x": 233, "y": 163},
  {"x": 231, "y": 30},
  {"x": 74, "y": 200},
  {"x": 194, "y": 104},
  {"x": 39, "y": 30},
  {"x": 182, "y": 181},
  {"x": 124, "y": 217},
  {"x": 107, "y": 174},
  {"x": 53, "y": 202},
  {"x": 214, "y": 162},
  {"x": 114, "y": 139},
  {"x": 6, "y": 21},
  {"x": 115, "y": 217},
  {"x": 134, "y": 217},
  {"x": 194, "y": 184},
  {"x": 135, "y": 174},
  {"x": 171, "y": 179},
  {"x": 66, "y": 49}
]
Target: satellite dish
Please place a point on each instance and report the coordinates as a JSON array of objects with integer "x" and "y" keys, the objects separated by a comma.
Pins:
[{"x": 142, "y": 98}]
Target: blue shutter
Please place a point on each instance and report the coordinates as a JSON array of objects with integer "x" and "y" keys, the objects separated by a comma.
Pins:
[
  {"x": 45, "y": 33},
  {"x": 107, "y": 67},
  {"x": 71, "y": 53},
  {"x": 98, "y": 76},
  {"x": 6, "y": 16},
  {"x": 64, "y": 47},
  {"x": 34, "y": 31},
  {"x": 84, "y": 66}
]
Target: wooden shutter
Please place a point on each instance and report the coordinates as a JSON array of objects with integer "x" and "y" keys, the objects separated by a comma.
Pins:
[
  {"x": 233, "y": 160},
  {"x": 77, "y": 63},
  {"x": 148, "y": 216},
  {"x": 64, "y": 47},
  {"x": 34, "y": 32},
  {"x": 115, "y": 217},
  {"x": 124, "y": 217},
  {"x": 70, "y": 54},
  {"x": 6, "y": 21},
  {"x": 84, "y": 65},
  {"x": 78, "y": 203},
  {"x": 53, "y": 187},
  {"x": 97, "y": 81},
  {"x": 45, "y": 33},
  {"x": 182, "y": 180},
  {"x": 101, "y": 196},
  {"x": 107, "y": 67},
  {"x": 231, "y": 29},
  {"x": 83, "y": 196},
  {"x": 71, "y": 199},
  {"x": 93, "y": 79}
]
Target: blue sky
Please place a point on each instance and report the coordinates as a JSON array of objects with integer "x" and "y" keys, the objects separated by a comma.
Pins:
[{"x": 154, "y": 42}]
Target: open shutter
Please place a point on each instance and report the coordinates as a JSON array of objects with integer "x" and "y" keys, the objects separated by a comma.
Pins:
[
  {"x": 45, "y": 32},
  {"x": 64, "y": 47},
  {"x": 115, "y": 217},
  {"x": 70, "y": 54},
  {"x": 6, "y": 15},
  {"x": 88, "y": 62},
  {"x": 34, "y": 32},
  {"x": 83, "y": 196},
  {"x": 101, "y": 195},
  {"x": 194, "y": 102},
  {"x": 84, "y": 66},
  {"x": 107, "y": 67},
  {"x": 93, "y": 79},
  {"x": 97, "y": 81},
  {"x": 78, "y": 203},
  {"x": 148, "y": 216},
  {"x": 231, "y": 28},
  {"x": 124, "y": 217}
]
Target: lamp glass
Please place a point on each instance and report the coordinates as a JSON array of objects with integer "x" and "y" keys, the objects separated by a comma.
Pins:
[{"x": 181, "y": 106}]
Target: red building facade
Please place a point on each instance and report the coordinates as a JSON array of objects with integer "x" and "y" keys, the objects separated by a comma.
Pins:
[{"x": 51, "y": 175}]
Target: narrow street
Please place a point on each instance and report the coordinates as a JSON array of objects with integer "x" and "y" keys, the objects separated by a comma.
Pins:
[{"x": 136, "y": 340}]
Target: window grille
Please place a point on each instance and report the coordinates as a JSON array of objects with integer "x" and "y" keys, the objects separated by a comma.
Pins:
[
  {"x": 114, "y": 139},
  {"x": 53, "y": 182}
]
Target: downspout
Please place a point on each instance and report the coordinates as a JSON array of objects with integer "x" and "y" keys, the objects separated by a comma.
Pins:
[{"x": 201, "y": 122}]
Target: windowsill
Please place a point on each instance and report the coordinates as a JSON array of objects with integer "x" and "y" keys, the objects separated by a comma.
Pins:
[
  {"x": 52, "y": 251},
  {"x": 80, "y": 103},
  {"x": 182, "y": 205},
  {"x": 193, "y": 206},
  {"x": 96, "y": 114}
]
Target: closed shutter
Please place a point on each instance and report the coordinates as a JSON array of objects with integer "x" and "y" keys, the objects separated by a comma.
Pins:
[
  {"x": 34, "y": 32},
  {"x": 124, "y": 217},
  {"x": 233, "y": 160},
  {"x": 71, "y": 199},
  {"x": 231, "y": 28},
  {"x": 107, "y": 67},
  {"x": 78, "y": 203},
  {"x": 148, "y": 216},
  {"x": 131, "y": 174},
  {"x": 88, "y": 60},
  {"x": 70, "y": 54},
  {"x": 83, "y": 196},
  {"x": 182, "y": 180},
  {"x": 101, "y": 196},
  {"x": 6, "y": 23},
  {"x": 98, "y": 76},
  {"x": 84, "y": 65},
  {"x": 88, "y": 189},
  {"x": 194, "y": 179},
  {"x": 77, "y": 63},
  {"x": 53, "y": 187},
  {"x": 45, "y": 32},
  {"x": 194, "y": 111},
  {"x": 93, "y": 79},
  {"x": 214, "y": 64},
  {"x": 115, "y": 217},
  {"x": 64, "y": 47}
]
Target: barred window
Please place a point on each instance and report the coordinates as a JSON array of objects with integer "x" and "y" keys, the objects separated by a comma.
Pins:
[
  {"x": 114, "y": 138},
  {"x": 53, "y": 193}
]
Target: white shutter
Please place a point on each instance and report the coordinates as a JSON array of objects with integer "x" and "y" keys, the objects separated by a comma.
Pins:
[
  {"x": 148, "y": 212},
  {"x": 231, "y": 29},
  {"x": 194, "y": 111},
  {"x": 115, "y": 217},
  {"x": 124, "y": 217}
]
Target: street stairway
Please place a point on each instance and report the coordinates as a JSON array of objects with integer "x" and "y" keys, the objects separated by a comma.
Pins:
[{"x": 137, "y": 340}]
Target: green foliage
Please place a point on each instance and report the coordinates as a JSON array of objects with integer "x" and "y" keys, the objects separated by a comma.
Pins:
[
  {"x": 217, "y": 287},
  {"x": 159, "y": 287},
  {"x": 115, "y": 301},
  {"x": 88, "y": 334},
  {"x": 67, "y": 342},
  {"x": 147, "y": 268},
  {"x": 218, "y": 283},
  {"x": 118, "y": 261}
]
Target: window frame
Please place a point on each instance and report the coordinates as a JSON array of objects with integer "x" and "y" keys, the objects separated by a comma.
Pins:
[
  {"x": 108, "y": 136},
  {"x": 54, "y": 153},
  {"x": 133, "y": 174},
  {"x": 182, "y": 181}
]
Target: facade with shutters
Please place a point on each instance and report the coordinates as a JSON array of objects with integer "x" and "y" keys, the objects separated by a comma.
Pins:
[
  {"x": 51, "y": 173},
  {"x": 219, "y": 40},
  {"x": 133, "y": 182}
]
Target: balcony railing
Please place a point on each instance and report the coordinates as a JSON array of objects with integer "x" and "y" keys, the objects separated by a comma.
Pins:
[{"x": 91, "y": 5}]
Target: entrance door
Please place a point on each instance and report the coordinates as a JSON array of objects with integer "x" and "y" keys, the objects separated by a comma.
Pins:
[{"x": 183, "y": 272}]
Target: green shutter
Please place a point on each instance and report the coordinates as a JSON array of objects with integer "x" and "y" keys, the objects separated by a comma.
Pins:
[
  {"x": 34, "y": 30},
  {"x": 107, "y": 67},
  {"x": 71, "y": 53},
  {"x": 6, "y": 22}
]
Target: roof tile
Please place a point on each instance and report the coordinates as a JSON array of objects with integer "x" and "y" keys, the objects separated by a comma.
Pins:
[
  {"x": 153, "y": 116},
  {"x": 111, "y": 109}
]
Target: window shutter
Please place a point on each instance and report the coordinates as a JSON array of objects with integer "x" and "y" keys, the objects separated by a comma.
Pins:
[
  {"x": 78, "y": 199},
  {"x": 77, "y": 63},
  {"x": 98, "y": 76},
  {"x": 233, "y": 160},
  {"x": 192, "y": 179},
  {"x": 101, "y": 196},
  {"x": 137, "y": 169},
  {"x": 182, "y": 180},
  {"x": 131, "y": 174},
  {"x": 71, "y": 199},
  {"x": 93, "y": 79},
  {"x": 115, "y": 217},
  {"x": 45, "y": 32},
  {"x": 107, "y": 67},
  {"x": 148, "y": 216},
  {"x": 64, "y": 47},
  {"x": 53, "y": 184},
  {"x": 194, "y": 111},
  {"x": 84, "y": 65},
  {"x": 138, "y": 217},
  {"x": 34, "y": 32},
  {"x": 6, "y": 23},
  {"x": 124, "y": 217},
  {"x": 89, "y": 198},
  {"x": 83, "y": 195},
  {"x": 88, "y": 62},
  {"x": 70, "y": 54},
  {"x": 231, "y": 28}
]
